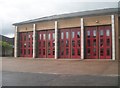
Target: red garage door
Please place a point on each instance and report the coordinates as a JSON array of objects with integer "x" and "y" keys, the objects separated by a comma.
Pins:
[
  {"x": 50, "y": 43},
  {"x": 64, "y": 41},
  {"x": 75, "y": 40},
  {"x": 46, "y": 44},
  {"x": 41, "y": 44},
  {"x": 98, "y": 42},
  {"x": 91, "y": 42},
  {"x": 26, "y": 44},
  {"x": 69, "y": 43},
  {"x": 105, "y": 42}
]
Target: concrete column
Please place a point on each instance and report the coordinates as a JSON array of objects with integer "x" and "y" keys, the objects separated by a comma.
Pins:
[
  {"x": 34, "y": 41},
  {"x": 113, "y": 36},
  {"x": 56, "y": 39},
  {"x": 82, "y": 38},
  {"x": 16, "y": 42}
]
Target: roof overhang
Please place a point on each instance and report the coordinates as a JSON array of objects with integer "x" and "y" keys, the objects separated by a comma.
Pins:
[{"x": 107, "y": 11}]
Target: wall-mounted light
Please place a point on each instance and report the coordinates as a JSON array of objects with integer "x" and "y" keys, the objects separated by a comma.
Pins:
[{"x": 97, "y": 21}]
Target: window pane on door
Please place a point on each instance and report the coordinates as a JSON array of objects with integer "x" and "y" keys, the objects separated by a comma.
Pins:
[
  {"x": 53, "y": 51},
  {"x": 24, "y": 37},
  {"x": 67, "y": 35},
  {"x": 101, "y": 33},
  {"x": 62, "y": 51},
  {"x": 62, "y": 35},
  {"x": 88, "y": 33},
  {"x": 29, "y": 51},
  {"x": 101, "y": 42},
  {"x": 39, "y": 51},
  {"x": 62, "y": 43},
  {"x": 101, "y": 52},
  {"x": 108, "y": 42},
  {"x": 49, "y": 36},
  {"x": 73, "y": 51},
  {"x": 88, "y": 52},
  {"x": 44, "y": 37},
  {"x": 39, "y": 43},
  {"x": 73, "y": 43},
  {"x": 28, "y": 44},
  {"x": 24, "y": 51},
  {"x": 48, "y": 44},
  {"x": 43, "y": 51},
  {"x": 78, "y": 52},
  {"x": 78, "y": 34},
  {"x": 48, "y": 51},
  {"x": 53, "y": 35},
  {"x": 108, "y": 52},
  {"x": 40, "y": 36},
  {"x": 78, "y": 43},
  {"x": 53, "y": 43},
  {"x": 67, "y": 51},
  {"x": 21, "y": 51},
  {"x": 107, "y": 32},
  {"x": 67, "y": 43},
  {"x": 24, "y": 44},
  {"x": 32, "y": 37},
  {"x": 88, "y": 42},
  {"x": 94, "y": 51},
  {"x": 94, "y": 33},
  {"x": 29, "y": 36},
  {"x": 43, "y": 43},
  {"x": 73, "y": 34},
  {"x": 94, "y": 42}
]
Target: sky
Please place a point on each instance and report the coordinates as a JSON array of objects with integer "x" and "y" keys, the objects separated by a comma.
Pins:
[{"x": 12, "y": 11}]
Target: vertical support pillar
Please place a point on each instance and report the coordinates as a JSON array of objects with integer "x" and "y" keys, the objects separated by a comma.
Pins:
[
  {"x": 56, "y": 39},
  {"x": 82, "y": 38},
  {"x": 16, "y": 42},
  {"x": 113, "y": 36},
  {"x": 34, "y": 41}
]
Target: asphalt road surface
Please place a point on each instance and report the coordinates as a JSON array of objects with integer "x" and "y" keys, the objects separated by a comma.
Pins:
[{"x": 40, "y": 79}]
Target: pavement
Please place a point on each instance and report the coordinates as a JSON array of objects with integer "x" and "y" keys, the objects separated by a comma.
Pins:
[
  {"x": 51, "y": 72},
  {"x": 52, "y": 66},
  {"x": 36, "y": 79}
]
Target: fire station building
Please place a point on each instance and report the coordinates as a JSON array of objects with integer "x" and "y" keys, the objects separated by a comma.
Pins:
[{"x": 80, "y": 35}]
